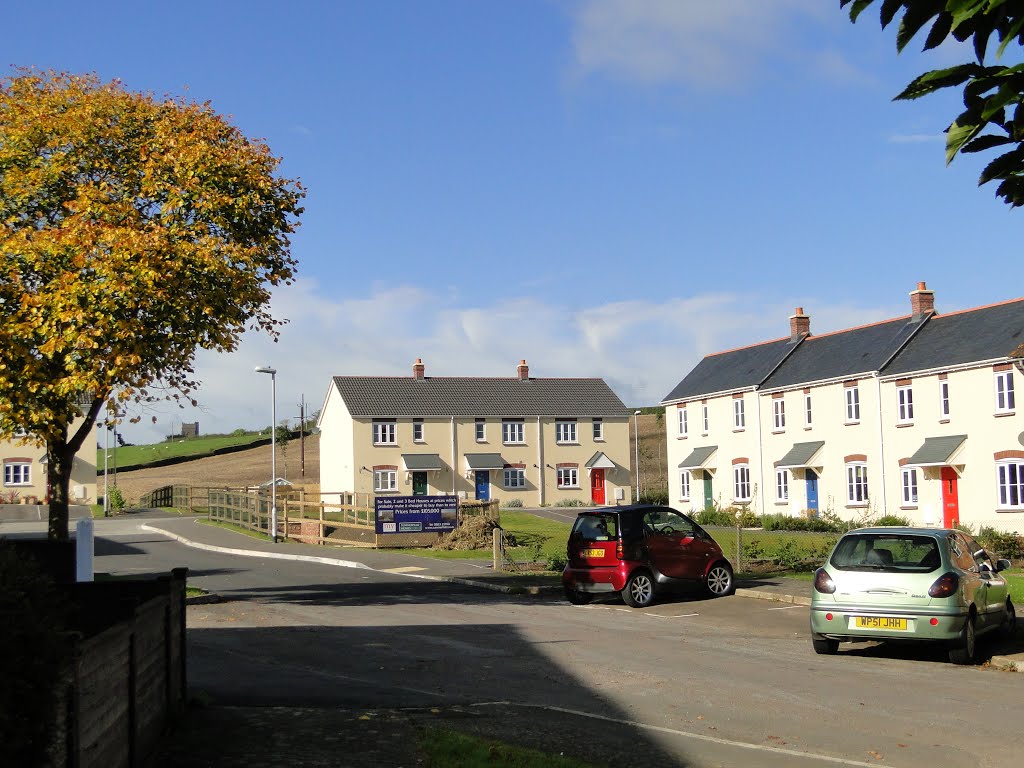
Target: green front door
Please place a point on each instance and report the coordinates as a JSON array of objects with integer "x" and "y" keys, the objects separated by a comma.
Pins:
[
  {"x": 419, "y": 483},
  {"x": 709, "y": 499}
]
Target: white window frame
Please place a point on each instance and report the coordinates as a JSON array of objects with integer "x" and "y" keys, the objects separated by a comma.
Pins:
[
  {"x": 852, "y": 404},
  {"x": 385, "y": 433},
  {"x": 905, "y": 404},
  {"x": 480, "y": 430},
  {"x": 706, "y": 418},
  {"x": 684, "y": 485},
  {"x": 1005, "y": 399},
  {"x": 741, "y": 482},
  {"x": 782, "y": 485},
  {"x": 857, "y": 489},
  {"x": 908, "y": 486},
  {"x": 684, "y": 422},
  {"x": 944, "y": 398},
  {"x": 568, "y": 477},
  {"x": 807, "y": 410},
  {"x": 385, "y": 480},
  {"x": 1010, "y": 483},
  {"x": 514, "y": 478},
  {"x": 779, "y": 413},
  {"x": 598, "y": 429},
  {"x": 417, "y": 432},
  {"x": 739, "y": 414},
  {"x": 513, "y": 432},
  {"x": 17, "y": 474},
  {"x": 565, "y": 432}
]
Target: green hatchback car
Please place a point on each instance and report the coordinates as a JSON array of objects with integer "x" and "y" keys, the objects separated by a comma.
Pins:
[{"x": 916, "y": 584}]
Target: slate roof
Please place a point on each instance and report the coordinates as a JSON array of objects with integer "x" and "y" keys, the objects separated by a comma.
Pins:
[
  {"x": 394, "y": 396},
  {"x": 800, "y": 455},
  {"x": 422, "y": 461},
  {"x": 485, "y": 461},
  {"x": 935, "y": 451},
  {"x": 843, "y": 353},
  {"x": 985, "y": 333},
  {"x": 697, "y": 457},
  {"x": 735, "y": 369}
]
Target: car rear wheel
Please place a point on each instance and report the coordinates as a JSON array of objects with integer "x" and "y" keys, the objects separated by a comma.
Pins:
[
  {"x": 1010, "y": 622},
  {"x": 719, "y": 580},
  {"x": 824, "y": 646},
  {"x": 577, "y": 598},
  {"x": 639, "y": 590},
  {"x": 964, "y": 654}
]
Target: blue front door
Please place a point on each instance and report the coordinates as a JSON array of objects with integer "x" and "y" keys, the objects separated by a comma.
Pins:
[
  {"x": 812, "y": 491},
  {"x": 483, "y": 484}
]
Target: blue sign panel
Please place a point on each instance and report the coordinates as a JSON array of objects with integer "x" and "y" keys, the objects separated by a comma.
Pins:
[{"x": 416, "y": 514}]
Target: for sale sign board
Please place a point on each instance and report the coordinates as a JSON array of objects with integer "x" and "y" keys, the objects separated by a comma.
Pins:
[{"x": 416, "y": 514}]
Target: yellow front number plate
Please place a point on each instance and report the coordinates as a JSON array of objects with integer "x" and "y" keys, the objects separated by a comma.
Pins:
[
  {"x": 593, "y": 553},
  {"x": 880, "y": 622}
]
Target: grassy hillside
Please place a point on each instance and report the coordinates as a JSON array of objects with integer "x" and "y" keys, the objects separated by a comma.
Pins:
[
  {"x": 140, "y": 455},
  {"x": 653, "y": 451}
]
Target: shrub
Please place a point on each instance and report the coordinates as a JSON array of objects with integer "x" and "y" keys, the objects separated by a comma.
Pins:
[
  {"x": 654, "y": 497},
  {"x": 892, "y": 520},
  {"x": 115, "y": 499},
  {"x": 715, "y": 516},
  {"x": 1010, "y": 545},
  {"x": 556, "y": 563},
  {"x": 513, "y": 504},
  {"x": 569, "y": 503}
]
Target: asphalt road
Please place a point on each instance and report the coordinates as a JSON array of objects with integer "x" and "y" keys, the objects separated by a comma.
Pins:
[{"x": 729, "y": 682}]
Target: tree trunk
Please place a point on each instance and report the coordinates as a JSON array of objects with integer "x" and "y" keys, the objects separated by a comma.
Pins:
[{"x": 59, "y": 460}]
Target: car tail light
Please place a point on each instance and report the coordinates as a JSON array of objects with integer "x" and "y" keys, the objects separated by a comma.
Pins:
[
  {"x": 823, "y": 582},
  {"x": 618, "y": 550},
  {"x": 946, "y": 585}
]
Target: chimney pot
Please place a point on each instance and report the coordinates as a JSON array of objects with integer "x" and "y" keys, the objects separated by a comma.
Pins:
[
  {"x": 418, "y": 369},
  {"x": 523, "y": 370}
]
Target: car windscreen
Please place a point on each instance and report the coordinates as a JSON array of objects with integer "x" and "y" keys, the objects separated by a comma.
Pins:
[
  {"x": 599, "y": 527},
  {"x": 890, "y": 552}
]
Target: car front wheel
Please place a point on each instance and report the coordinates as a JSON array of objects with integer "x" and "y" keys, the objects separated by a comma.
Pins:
[
  {"x": 639, "y": 590},
  {"x": 1010, "y": 622},
  {"x": 719, "y": 580},
  {"x": 964, "y": 653}
]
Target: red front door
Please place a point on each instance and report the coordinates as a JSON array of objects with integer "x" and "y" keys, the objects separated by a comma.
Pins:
[
  {"x": 950, "y": 498},
  {"x": 597, "y": 486}
]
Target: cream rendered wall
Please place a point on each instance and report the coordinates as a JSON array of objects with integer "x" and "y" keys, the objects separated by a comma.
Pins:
[
  {"x": 972, "y": 413},
  {"x": 336, "y": 447},
  {"x": 83, "y": 469}
]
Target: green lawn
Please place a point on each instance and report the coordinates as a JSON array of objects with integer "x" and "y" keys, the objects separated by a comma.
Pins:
[{"x": 193, "y": 446}]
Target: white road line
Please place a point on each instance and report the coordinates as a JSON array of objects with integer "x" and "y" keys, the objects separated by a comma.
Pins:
[
  {"x": 787, "y": 607},
  {"x": 404, "y": 569},
  {"x": 675, "y": 616},
  {"x": 686, "y": 734}
]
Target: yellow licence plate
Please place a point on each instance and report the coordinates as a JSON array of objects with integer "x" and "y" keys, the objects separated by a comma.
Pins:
[
  {"x": 593, "y": 553},
  {"x": 880, "y": 622}
]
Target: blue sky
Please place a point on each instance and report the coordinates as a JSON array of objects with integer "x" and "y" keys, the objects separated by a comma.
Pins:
[{"x": 607, "y": 188}]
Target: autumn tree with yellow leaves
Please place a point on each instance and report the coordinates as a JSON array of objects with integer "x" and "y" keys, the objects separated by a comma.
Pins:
[{"x": 134, "y": 231}]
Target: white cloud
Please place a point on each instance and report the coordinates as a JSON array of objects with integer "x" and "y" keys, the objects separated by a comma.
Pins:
[
  {"x": 641, "y": 348},
  {"x": 706, "y": 44}
]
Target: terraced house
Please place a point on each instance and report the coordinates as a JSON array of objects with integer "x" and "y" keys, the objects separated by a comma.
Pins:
[
  {"x": 25, "y": 472},
  {"x": 914, "y": 416},
  {"x": 539, "y": 440}
]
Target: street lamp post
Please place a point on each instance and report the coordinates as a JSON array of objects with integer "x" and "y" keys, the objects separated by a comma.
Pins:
[
  {"x": 273, "y": 448},
  {"x": 636, "y": 446}
]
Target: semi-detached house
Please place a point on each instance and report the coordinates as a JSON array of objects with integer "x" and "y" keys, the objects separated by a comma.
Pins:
[
  {"x": 539, "y": 440},
  {"x": 914, "y": 416}
]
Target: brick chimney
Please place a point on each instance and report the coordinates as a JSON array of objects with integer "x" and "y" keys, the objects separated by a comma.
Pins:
[
  {"x": 922, "y": 301},
  {"x": 523, "y": 371},
  {"x": 799, "y": 324},
  {"x": 418, "y": 369}
]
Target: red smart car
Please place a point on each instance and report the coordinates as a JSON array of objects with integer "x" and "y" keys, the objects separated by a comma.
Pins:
[{"x": 638, "y": 551}]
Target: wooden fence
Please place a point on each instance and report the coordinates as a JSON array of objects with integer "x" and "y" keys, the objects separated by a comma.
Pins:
[{"x": 302, "y": 516}]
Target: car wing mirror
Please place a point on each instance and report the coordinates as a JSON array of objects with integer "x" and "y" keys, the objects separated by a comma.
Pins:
[{"x": 1002, "y": 565}]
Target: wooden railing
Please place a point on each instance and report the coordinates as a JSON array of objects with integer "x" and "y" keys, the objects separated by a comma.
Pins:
[{"x": 299, "y": 515}]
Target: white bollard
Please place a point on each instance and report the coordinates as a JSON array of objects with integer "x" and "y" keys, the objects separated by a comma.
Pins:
[{"x": 83, "y": 549}]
